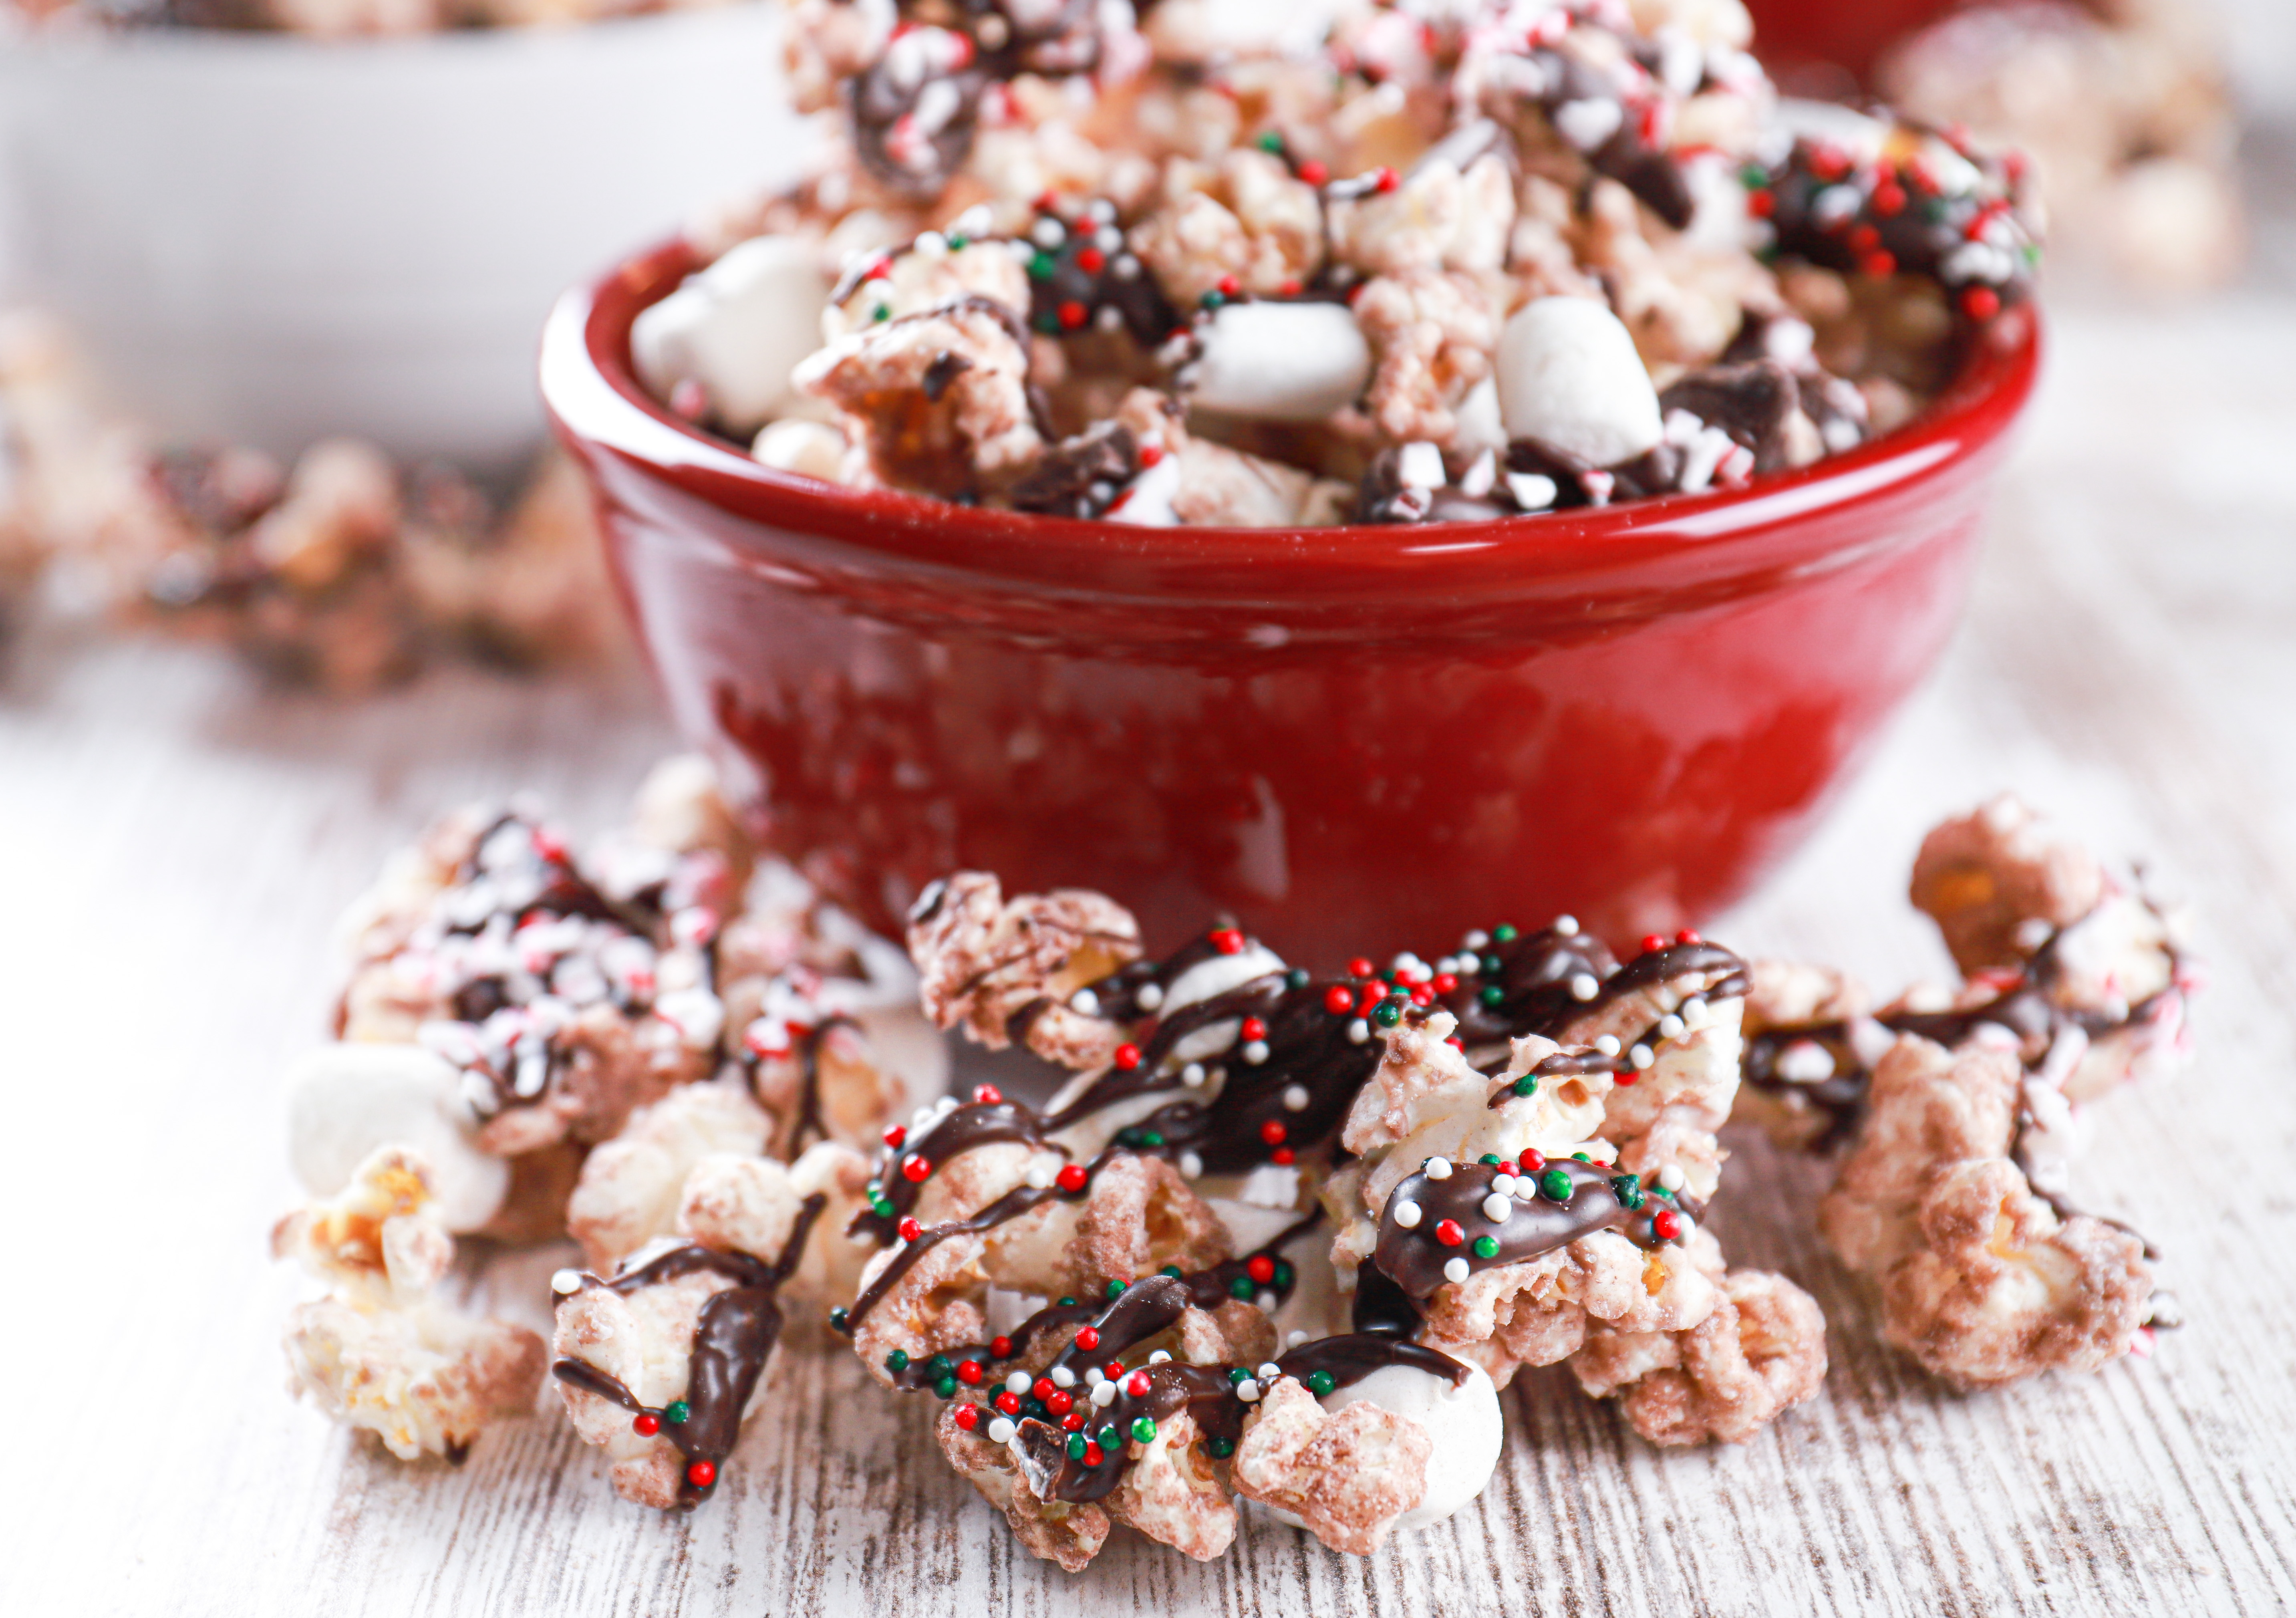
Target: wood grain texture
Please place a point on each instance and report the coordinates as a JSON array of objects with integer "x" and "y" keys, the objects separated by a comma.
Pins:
[{"x": 175, "y": 845}]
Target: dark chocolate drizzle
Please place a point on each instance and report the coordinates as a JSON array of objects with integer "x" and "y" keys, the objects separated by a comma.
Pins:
[
  {"x": 733, "y": 1340},
  {"x": 1599, "y": 1198}
]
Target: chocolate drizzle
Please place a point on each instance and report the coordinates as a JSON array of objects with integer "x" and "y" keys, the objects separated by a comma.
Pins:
[
  {"x": 1597, "y": 1198},
  {"x": 1549, "y": 980},
  {"x": 733, "y": 1340}
]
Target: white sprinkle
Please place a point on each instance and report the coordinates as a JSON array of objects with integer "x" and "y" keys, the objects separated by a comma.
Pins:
[
  {"x": 1085, "y": 1003},
  {"x": 1688, "y": 1228},
  {"x": 1584, "y": 986},
  {"x": 1295, "y": 1097},
  {"x": 1641, "y": 1057},
  {"x": 1151, "y": 996},
  {"x": 861, "y": 1238},
  {"x": 1127, "y": 268},
  {"x": 1669, "y": 1178},
  {"x": 1100, "y": 210},
  {"x": 1503, "y": 1184},
  {"x": 1040, "y": 1175},
  {"x": 1268, "y": 1371},
  {"x": 1268, "y": 1302},
  {"x": 1476, "y": 940},
  {"x": 1407, "y": 1214},
  {"x": 1094, "y": 1376},
  {"x": 1693, "y": 1014},
  {"x": 1048, "y": 233},
  {"x": 944, "y": 1107},
  {"x": 1608, "y": 1044},
  {"x": 1062, "y": 1377},
  {"x": 566, "y": 1281},
  {"x": 930, "y": 245},
  {"x": 1019, "y": 1381},
  {"x": 1295, "y": 1340},
  {"x": 1255, "y": 1052},
  {"x": 921, "y": 1119},
  {"x": 1456, "y": 1270},
  {"x": 1567, "y": 925},
  {"x": 1497, "y": 1206},
  {"x": 1359, "y": 1031},
  {"x": 1103, "y": 1393},
  {"x": 1436, "y": 1168},
  {"x": 1193, "y": 1075},
  {"x": 1192, "y": 1167},
  {"x": 1671, "y": 1027},
  {"x": 1159, "y": 1357},
  {"x": 1000, "y": 1431},
  {"x": 1247, "y": 1391},
  {"x": 1804, "y": 1061},
  {"x": 1587, "y": 124}
]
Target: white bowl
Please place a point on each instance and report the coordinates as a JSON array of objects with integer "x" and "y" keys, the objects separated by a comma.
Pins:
[{"x": 268, "y": 238}]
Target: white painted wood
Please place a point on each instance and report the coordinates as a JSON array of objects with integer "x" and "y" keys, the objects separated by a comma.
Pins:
[{"x": 175, "y": 845}]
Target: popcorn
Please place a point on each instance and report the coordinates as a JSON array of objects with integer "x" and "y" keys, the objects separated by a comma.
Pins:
[
  {"x": 986, "y": 962},
  {"x": 1346, "y": 1476},
  {"x": 1761, "y": 1352},
  {"x": 379, "y": 1352}
]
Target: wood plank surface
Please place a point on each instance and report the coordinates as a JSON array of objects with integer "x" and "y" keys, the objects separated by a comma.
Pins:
[{"x": 175, "y": 842}]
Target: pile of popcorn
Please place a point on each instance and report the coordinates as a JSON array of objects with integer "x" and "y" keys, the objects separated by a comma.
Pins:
[
  {"x": 1311, "y": 263},
  {"x": 345, "y": 570},
  {"x": 1278, "y": 1238}
]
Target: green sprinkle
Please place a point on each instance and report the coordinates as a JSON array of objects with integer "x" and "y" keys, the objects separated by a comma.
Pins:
[
  {"x": 1629, "y": 1190},
  {"x": 1493, "y": 965},
  {"x": 1041, "y": 267},
  {"x": 1556, "y": 1185},
  {"x": 677, "y": 1410},
  {"x": 1110, "y": 1439},
  {"x": 1491, "y": 994},
  {"x": 1151, "y": 1138},
  {"x": 1387, "y": 1014},
  {"x": 1527, "y": 1085},
  {"x": 1297, "y": 978},
  {"x": 1581, "y": 1157},
  {"x": 884, "y": 311},
  {"x": 1211, "y": 300},
  {"x": 1035, "y": 1407},
  {"x": 1284, "y": 1273},
  {"x": 1221, "y": 1447},
  {"x": 1143, "y": 1429},
  {"x": 1487, "y": 1247},
  {"x": 1271, "y": 142},
  {"x": 1116, "y": 1289},
  {"x": 1068, "y": 1302},
  {"x": 940, "y": 1365},
  {"x": 1505, "y": 934},
  {"x": 1077, "y": 1442},
  {"x": 1240, "y": 1287},
  {"x": 945, "y": 1386},
  {"x": 958, "y": 242},
  {"x": 1049, "y": 324},
  {"x": 1236, "y": 1373},
  {"x": 1753, "y": 176},
  {"x": 1489, "y": 1160},
  {"x": 897, "y": 1360},
  {"x": 1172, "y": 1270},
  {"x": 1320, "y": 1382},
  {"x": 837, "y": 1318}
]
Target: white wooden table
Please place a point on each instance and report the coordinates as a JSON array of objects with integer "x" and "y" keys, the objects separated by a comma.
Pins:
[{"x": 175, "y": 844}]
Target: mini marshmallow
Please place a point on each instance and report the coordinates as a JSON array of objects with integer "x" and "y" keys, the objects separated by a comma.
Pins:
[
  {"x": 738, "y": 329},
  {"x": 1282, "y": 362},
  {"x": 1570, "y": 377},
  {"x": 346, "y": 1100},
  {"x": 811, "y": 449},
  {"x": 1464, "y": 1426}
]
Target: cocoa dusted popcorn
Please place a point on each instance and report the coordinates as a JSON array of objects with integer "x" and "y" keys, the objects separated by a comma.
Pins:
[{"x": 1407, "y": 263}]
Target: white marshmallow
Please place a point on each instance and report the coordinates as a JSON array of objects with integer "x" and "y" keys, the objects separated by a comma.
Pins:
[
  {"x": 1282, "y": 362},
  {"x": 1568, "y": 376},
  {"x": 1464, "y": 1432},
  {"x": 346, "y": 1100},
  {"x": 738, "y": 328},
  {"x": 1216, "y": 975},
  {"x": 811, "y": 449}
]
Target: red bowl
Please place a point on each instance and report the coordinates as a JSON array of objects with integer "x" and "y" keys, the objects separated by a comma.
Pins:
[{"x": 1350, "y": 739}]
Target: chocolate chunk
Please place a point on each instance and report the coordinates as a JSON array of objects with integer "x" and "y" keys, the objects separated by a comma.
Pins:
[
  {"x": 947, "y": 366},
  {"x": 1752, "y": 402},
  {"x": 1080, "y": 477}
]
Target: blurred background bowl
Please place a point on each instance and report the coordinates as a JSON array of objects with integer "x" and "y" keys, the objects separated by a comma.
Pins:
[{"x": 268, "y": 239}]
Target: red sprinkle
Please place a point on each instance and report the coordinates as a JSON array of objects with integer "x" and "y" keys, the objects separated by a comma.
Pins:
[
  {"x": 1113, "y": 1370},
  {"x": 1072, "y": 314},
  {"x": 1686, "y": 936},
  {"x": 1073, "y": 1421},
  {"x": 1071, "y": 1178},
  {"x": 911, "y": 1230},
  {"x": 1889, "y": 199},
  {"x": 1000, "y": 1348},
  {"x": 1447, "y": 1232},
  {"x": 968, "y": 1417},
  {"x": 1980, "y": 303},
  {"x": 1625, "y": 1077},
  {"x": 1088, "y": 1339},
  {"x": 1058, "y": 1401},
  {"x": 1532, "y": 1162},
  {"x": 1374, "y": 992},
  {"x": 1656, "y": 941},
  {"x": 1273, "y": 1131},
  {"x": 701, "y": 1474},
  {"x": 1361, "y": 967},
  {"x": 987, "y": 1095},
  {"x": 1137, "y": 1384},
  {"x": 1761, "y": 204},
  {"x": 1666, "y": 1224},
  {"x": 1281, "y": 1157},
  {"x": 1229, "y": 286},
  {"x": 1092, "y": 1455},
  {"x": 1864, "y": 239},
  {"x": 1254, "y": 1028},
  {"x": 1879, "y": 264},
  {"x": 647, "y": 1425},
  {"x": 1456, "y": 1043},
  {"x": 1260, "y": 1268},
  {"x": 1314, "y": 172},
  {"x": 915, "y": 1169},
  {"x": 1340, "y": 1000},
  {"x": 1506, "y": 1168},
  {"x": 1127, "y": 1057},
  {"x": 1422, "y": 994},
  {"x": 895, "y": 1136},
  {"x": 1045, "y": 1389},
  {"x": 1091, "y": 261},
  {"x": 1149, "y": 453},
  {"x": 1387, "y": 180},
  {"x": 1444, "y": 982},
  {"x": 1288, "y": 287},
  {"x": 1228, "y": 941},
  {"x": 968, "y": 1372},
  {"x": 1009, "y": 1402}
]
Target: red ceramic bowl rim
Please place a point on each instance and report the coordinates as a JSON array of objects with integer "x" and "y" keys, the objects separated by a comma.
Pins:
[{"x": 595, "y": 403}]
